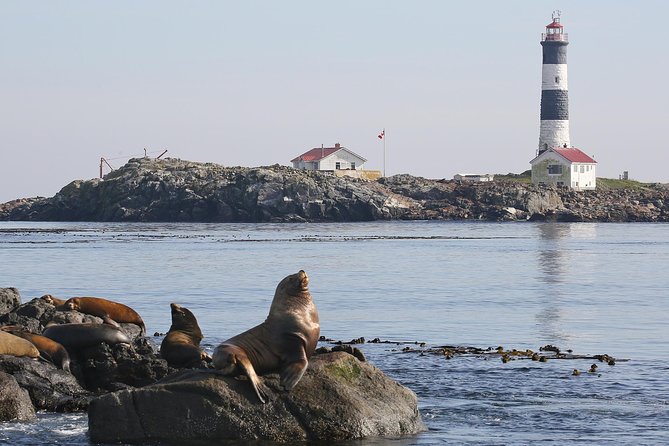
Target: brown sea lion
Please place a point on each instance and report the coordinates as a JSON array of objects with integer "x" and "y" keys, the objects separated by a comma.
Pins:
[
  {"x": 16, "y": 346},
  {"x": 110, "y": 312},
  {"x": 58, "y": 303},
  {"x": 77, "y": 336},
  {"x": 49, "y": 349},
  {"x": 283, "y": 343},
  {"x": 181, "y": 345}
]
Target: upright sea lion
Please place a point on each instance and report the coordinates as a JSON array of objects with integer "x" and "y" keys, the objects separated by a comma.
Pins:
[
  {"x": 58, "y": 303},
  {"x": 181, "y": 346},
  {"x": 283, "y": 343},
  {"x": 16, "y": 346},
  {"x": 111, "y": 312},
  {"x": 49, "y": 349},
  {"x": 77, "y": 336}
]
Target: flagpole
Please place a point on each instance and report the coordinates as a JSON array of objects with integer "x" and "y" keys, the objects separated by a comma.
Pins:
[{"x": 384, "y": 151}]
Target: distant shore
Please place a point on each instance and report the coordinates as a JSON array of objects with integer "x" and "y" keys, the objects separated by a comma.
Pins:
[{"x": 173, "y": 190}]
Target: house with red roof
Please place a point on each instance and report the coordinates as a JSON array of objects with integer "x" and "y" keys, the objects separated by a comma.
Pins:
[
  {"x": 565, "y": 166},
  {"x": 329, "y": 158}
]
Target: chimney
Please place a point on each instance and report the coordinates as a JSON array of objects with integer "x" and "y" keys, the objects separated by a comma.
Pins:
[{"x": 337, "y": 146}]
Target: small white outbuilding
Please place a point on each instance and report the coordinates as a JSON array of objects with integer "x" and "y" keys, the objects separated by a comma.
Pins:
[{"x": 329, "y": 158}]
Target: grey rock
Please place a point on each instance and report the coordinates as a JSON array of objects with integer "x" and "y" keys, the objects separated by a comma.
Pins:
[
  {"x": 15, "y": 404},
  {"x": 49, "y": 387},
  {"x": 9, "y": 300},
  {"x": 338, "y": 398}
]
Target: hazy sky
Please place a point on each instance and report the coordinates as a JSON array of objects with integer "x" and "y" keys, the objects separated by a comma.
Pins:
[{"x": 455, "y": 84}]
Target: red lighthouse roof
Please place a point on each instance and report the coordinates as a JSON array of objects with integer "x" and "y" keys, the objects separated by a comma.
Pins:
[{"x": 554, "y": 24}]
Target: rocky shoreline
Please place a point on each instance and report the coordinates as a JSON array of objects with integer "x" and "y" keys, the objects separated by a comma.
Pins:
[
  {"x": 132, "y": 393},
  {"x": 173, "y": 190}
]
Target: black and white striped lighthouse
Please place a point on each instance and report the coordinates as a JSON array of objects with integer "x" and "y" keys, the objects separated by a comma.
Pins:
[{"x": 554, "y": 131}]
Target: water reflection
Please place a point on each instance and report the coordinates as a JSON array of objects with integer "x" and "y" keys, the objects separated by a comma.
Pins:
[{"x": 553, "y": 265}]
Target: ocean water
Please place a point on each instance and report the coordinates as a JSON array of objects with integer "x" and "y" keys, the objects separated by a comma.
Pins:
[{"x": 591, "y": 288}]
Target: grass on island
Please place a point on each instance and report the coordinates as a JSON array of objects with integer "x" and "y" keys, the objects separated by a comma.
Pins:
[{"x": 603, "y": 184}]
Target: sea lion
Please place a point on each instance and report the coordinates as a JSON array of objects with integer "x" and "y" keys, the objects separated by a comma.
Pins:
[
  {"x": 58, "y": 303},
  {"x": 283, "y": 343},
  {"x": 49, "y": 349},
  {"x": 77, "y": 336},
  {"x": 16, "y": 346},
  {"x": 110, "y": 312},
  {"x": 181, "y": 345}
]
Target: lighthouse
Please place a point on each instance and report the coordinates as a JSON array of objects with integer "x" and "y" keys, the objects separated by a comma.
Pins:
[
  {"x": 557, "y": 162},
  {"x": 554, "y": 131}
]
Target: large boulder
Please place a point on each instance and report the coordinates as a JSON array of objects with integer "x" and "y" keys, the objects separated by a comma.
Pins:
[
  {"x": 338, "y": 398},
  {"x": 9, "y": 300},
  {"x": 15, "y": 403},
  {"x": 49, "y": 387}
]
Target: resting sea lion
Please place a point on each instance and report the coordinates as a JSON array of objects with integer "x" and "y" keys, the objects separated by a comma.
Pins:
[
  {"x": 283, "y": 343},
  {"x": 110, "y": 312},
  {"x": 16, "y": 346},
  {"x": 181, "y": 346},
  {"x": 49, "y": 349},
  {"x": 58, "y": 303},
  {"x": 77, "y": 336}
]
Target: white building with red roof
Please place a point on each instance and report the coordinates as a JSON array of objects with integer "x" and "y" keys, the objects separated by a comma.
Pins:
[
  {"x": 565, "y": 166},
  {"x": 329, "y": 158}
]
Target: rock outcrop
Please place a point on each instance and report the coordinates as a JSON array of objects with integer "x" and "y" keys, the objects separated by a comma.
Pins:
[
  {"x": 15, "y": 403},
  {"x": 339, "y": 398},
  {"x": 9, "y": 299},
  {"x": 181, "y": 191},
  {"x": 97, "y": 369}
]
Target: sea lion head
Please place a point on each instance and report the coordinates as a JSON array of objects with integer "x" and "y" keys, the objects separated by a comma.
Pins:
[
  {"x": 72, "y": 304},
  {"x": 184, "y": 320},
  {"x": 48, "y": 298},
  {"x": 294, "y": 285}
]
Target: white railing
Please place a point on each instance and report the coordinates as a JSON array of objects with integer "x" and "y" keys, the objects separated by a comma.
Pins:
[{"x": 557, "y": 37}]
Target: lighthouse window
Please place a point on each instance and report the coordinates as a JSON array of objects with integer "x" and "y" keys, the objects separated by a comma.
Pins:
[
  {"x": 557, "y": 79},
  {"x": 555, "y": 169}
]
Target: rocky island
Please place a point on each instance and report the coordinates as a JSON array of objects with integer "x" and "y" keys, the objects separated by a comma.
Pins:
[{"x": 173, "y": 190}]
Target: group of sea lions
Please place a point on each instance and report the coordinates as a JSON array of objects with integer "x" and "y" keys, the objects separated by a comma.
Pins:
[
  {"x": 56, "y": 341},
  {"x": 283, "y": 343}
]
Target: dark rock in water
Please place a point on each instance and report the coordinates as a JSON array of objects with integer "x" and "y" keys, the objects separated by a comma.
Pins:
[
  {"x": 15, "y": 403},
  {"x": 338, "y": 398},
  {"x": 49, "y": 387},
  {"x": 9, "y": 300}
]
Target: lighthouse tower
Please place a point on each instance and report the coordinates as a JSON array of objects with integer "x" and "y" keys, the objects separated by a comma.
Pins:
[{"x": 554, "y": 131}]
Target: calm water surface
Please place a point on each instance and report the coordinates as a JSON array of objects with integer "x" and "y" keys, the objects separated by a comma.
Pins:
[{"x": 592, "y": 288}]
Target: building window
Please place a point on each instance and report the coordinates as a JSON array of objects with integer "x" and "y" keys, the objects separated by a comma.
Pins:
[
  {"x": 582, "y": 169},
  {"x": 555, "y": 169},
  {"x": 575, "y": 168},
  {"x": 337, "y": 166},
  {"x": 352, "y": 166}
]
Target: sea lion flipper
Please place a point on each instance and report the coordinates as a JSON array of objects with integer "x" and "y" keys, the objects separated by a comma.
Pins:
[
  {"x": 107, "y": 320},
  {"x": 292, "y": 373},
  {"x": 246, "y": 366}
]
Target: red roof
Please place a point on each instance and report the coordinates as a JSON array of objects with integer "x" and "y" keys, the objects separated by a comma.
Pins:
[
  {"x": 574, "y": 155},
  {"x": 554, "y": 25},
  {"x": 317, "y": 154}
]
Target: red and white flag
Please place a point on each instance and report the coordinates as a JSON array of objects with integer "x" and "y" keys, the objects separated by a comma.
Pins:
[{"x": 382, "y": 134}]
